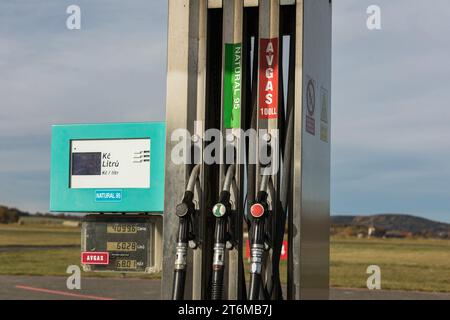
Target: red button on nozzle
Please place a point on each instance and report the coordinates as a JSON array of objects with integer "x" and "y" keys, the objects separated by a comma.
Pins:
[{"x": 257, "y": 210}]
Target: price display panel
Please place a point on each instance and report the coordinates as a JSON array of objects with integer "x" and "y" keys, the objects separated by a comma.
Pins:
[{"x": 117, "y": 243}]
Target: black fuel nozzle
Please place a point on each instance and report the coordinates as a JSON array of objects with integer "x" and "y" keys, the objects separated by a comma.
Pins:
[
  {"x": 186, "y": 212},
  {"x": 259, "y": 211},
  {"x": 222, "y": 212}
]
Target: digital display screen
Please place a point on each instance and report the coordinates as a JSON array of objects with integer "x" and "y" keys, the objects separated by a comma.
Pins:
[
  {"x": 121, "y": 246},
  {"x": 122, "y": 228},
  {"x": 110, "y": 164},
  {"x": 126, "y": 264},
  {"x": 86, "y": 164}
]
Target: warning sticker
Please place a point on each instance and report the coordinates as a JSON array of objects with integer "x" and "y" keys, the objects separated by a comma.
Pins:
[
  {"x": 232, "y": 86},
  {"x": 268, "y": 79},
  {"x": 311, "y": 107},
  {"x": 324, "y": 102}
]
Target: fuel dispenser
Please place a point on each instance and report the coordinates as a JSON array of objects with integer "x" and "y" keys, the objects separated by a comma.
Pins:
[
  {"x": 114, "y": 172},
  {"x": 258, "y": 74}
]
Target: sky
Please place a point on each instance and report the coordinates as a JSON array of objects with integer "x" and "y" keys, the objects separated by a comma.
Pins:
[{"x": 390, "y": 95}]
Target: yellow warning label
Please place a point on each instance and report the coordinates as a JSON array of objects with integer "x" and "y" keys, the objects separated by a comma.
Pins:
[
  {"x": 324, "y": 133},
  {"x": 324, "y": 105}
]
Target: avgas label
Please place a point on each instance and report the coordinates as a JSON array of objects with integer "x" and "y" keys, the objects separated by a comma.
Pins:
[
  {"x": 268, "y": 78},
  {"x": 95, "y": 258},
  {"x": 232, "y": 84}
]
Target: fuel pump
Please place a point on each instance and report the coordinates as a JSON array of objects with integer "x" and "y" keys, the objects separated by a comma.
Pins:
[{"x": 228, "y": 68}]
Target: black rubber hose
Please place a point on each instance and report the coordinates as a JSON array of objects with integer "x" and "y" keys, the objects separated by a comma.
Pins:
[
  {"x": 179, "y": 278},
  {"x": 255, "y": 287},
  {"x": 256, "y": 258},
  {"x": 218, "y": 263}
]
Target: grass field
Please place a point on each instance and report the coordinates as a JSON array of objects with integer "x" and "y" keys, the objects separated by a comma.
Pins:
[
  {"x": 407, "y": 264},
  {"x": 38, "y": 235}
]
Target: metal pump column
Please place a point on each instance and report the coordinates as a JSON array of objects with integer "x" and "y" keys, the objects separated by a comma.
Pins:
[
  {"x": 231, "y": 125},
  {"x": 269, "y": 108}
]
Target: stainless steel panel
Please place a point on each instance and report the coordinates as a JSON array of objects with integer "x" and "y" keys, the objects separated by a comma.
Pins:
[
  {"x": 310, "y": 246},
  {"x": 185, "y": 83}
]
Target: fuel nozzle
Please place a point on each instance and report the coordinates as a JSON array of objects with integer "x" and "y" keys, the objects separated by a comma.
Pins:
[
  {"x": 186, "y": 211},
  {"x": 222, "y": 212},
  {"x": 260, "y": 207},
  {"x": 185, "y": 236},
  {"x": 258, "y": 242}
]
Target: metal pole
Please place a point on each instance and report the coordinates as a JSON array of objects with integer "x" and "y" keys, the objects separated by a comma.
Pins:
[
  {"x": 184, "y": 64},
  {"x": 231, "y": 125}
]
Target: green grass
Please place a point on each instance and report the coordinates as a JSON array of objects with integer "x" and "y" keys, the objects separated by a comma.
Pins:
[
  {"x": 37, "y": 235},
  {"x": 407, "y": 264}
]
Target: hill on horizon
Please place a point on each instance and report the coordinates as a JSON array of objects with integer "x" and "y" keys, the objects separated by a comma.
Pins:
[{"x": 395, "y": 223}]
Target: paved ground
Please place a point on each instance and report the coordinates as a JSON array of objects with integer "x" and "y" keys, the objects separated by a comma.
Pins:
[{"x": 54, "y": 288}]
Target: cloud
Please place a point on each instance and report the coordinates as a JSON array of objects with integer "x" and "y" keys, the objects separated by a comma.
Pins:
[
  {"x": 94, "y": 74},
  {"x": 390, "y": 109}
]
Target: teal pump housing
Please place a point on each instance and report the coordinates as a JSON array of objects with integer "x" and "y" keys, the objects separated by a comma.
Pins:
[{"x": 108, "y": 168}]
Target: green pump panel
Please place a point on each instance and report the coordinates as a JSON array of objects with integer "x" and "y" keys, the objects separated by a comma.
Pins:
[{"x": 108, "y": 168}]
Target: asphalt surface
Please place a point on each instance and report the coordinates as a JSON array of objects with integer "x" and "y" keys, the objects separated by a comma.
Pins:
[{"x": 54, "y": 288}]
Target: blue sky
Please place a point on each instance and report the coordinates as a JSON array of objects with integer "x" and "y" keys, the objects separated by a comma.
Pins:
[{"x": 390, "y": 95}]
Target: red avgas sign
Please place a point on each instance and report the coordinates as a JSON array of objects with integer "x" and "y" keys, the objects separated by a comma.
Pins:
[
  {"x": 101, "y": 258},
  {"x": 268, "y": 78}
]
